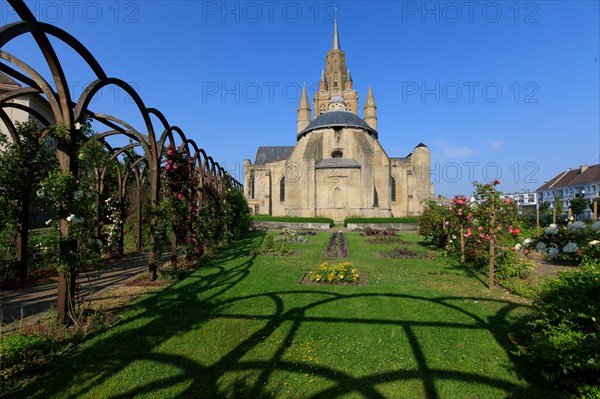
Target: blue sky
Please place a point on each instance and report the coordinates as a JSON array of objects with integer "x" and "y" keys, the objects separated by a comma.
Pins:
[{"x": 506, "y": 90}]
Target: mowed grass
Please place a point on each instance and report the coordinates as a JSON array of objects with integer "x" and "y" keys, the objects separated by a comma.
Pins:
[{"x": 242, "y": 326}]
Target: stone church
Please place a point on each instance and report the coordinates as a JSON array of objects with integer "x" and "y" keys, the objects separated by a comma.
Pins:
[{"x": 337, "y": 168}]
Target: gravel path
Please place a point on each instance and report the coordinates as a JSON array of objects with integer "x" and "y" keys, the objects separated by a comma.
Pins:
[{"x": 29, "y": 304}]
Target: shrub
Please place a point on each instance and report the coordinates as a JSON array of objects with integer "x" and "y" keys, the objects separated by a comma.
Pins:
[
  {"x": 571, "y": 242},
  {"x": 408, "y": 219},
  {"x": 432, "y": 224},
  {"x": 19, "y": 348},
  {"x": 270, "y": 246},
  {"x": 565, "y": 330},
  {"x": 290, "y": 236},
  {"x": 292, "y": 219}
]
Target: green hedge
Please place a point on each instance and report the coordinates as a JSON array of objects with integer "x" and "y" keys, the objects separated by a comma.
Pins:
[
  {"x": 409, "y": 219},
  {"x": 291, "y": 219}
]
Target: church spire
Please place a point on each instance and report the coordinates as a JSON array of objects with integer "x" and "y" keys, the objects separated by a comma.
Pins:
[
  {"x": 370, "y": 110},
  {"x": 336, "y": 38},
  {"x": 303, "y": 111}
]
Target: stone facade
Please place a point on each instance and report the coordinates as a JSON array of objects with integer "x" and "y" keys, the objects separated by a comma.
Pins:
[{"x": 337, "y": 168}]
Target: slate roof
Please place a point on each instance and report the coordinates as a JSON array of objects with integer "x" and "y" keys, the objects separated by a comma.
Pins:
[
  {"x": 337, "y": 119},
  {"x": 573, "y": 177},
  {"x": 337, "y": 163},
  {"x": 269, "y": 154}
]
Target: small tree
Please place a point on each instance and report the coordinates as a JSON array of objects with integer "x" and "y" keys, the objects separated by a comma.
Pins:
[
  {"x": 496, "y": 217},
  {"x": 24, "y": 163},
  {"x": 544, "y": 208},
  {"x": 578, "y": 205},
  {"x": 558, "y": 205}
]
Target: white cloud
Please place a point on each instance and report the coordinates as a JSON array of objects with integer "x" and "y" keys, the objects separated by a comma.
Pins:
[
  {"x": 447, "y": 150},
  {"x": 496, "y": 144}
]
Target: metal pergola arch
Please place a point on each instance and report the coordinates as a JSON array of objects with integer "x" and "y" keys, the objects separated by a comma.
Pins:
[{"x": 67, "y": 112}]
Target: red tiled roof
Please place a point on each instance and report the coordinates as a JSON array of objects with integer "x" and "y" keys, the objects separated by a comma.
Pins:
[{"x": 573, "y": 177}]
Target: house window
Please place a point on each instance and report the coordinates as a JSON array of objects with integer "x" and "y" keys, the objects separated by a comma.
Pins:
[
  {"x": 337, "y": 154},
  {"x": 375, "y": 198},
  {"x": 282, "y": 189},
  {"x": 393, "y": 188},
  {"x": 256, "y": 209}
]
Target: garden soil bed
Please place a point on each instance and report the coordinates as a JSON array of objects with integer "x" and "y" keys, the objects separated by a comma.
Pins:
[
  {"x": 362, "y": 281},
  {"x": 289, "y": 253},
  {"x": 401, "y": 253}
]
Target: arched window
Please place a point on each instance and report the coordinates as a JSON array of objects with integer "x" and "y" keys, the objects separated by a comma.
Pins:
[
  {"x": 393, "y": 188},
  {"x": 375, "y": 198},
  {"x": 337, "y": 154},
  {"x": 282, "y": 189}
]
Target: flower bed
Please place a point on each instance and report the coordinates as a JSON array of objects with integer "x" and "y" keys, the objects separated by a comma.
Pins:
[
  {"x": 336, "y": 248},
  {"x": 342, "y": 273}
]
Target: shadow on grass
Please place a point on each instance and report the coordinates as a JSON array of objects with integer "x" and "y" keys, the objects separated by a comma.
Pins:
[{"x": 201, "y": 298}]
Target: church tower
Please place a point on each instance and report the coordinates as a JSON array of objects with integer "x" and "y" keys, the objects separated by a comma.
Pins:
[{"x": 335, "y": 79}]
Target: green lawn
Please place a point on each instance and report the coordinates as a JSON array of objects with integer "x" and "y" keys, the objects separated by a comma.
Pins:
[{"x": 243, "y": 326}]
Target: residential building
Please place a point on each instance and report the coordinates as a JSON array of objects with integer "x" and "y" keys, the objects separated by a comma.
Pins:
[{"x": 572, "y": 183}]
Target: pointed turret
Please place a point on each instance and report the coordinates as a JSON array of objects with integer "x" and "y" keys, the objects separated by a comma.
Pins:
[
  {"x": 303, "y": 111},
  {"x": 322, "y": 82},
  {"x": 348, "y": 84},
  {"x": 370, "y": 110}
]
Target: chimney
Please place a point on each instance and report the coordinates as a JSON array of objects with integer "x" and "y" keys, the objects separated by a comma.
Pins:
[{"x": 583, "y": 168}]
